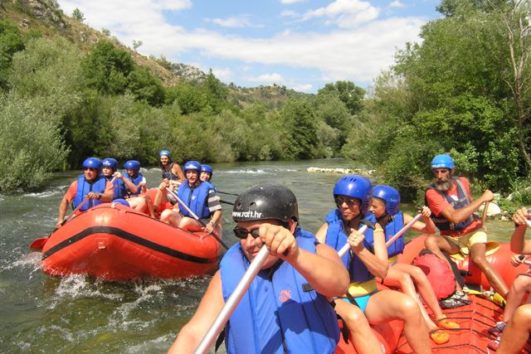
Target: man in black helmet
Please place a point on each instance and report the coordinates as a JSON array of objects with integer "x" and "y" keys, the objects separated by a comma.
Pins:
[{"x": 285, "y": 308}]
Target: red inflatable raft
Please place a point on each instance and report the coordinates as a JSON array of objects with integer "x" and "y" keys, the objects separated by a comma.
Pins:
[
  {"x": 114, "y": 242},
  {"x": 474, "y": 319}
]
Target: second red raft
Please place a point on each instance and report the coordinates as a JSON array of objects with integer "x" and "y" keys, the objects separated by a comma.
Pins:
[{"x": 113, "y": 242}]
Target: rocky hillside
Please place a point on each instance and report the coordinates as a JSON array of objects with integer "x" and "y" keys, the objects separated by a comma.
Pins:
[{"x": 46, "y": 17}]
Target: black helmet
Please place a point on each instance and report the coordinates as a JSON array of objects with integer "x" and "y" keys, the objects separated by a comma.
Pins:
[{"x": 268, "y": 201}]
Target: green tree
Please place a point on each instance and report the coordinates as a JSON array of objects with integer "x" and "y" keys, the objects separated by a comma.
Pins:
[
  {"x": 302, "y": 142},
  {"x": 106, "y": 68},
  {"x": 78, "y": 15},
  {"x": 350, "y": 94},
  {"x": 145, "y": 87},
  {"x": 10, "y": 43}
]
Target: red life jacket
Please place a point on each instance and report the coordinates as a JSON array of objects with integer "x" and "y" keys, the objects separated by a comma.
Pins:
[{"x": 441, "y": 277}]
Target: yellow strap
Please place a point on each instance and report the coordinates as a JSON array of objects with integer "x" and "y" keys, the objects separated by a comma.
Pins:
[{"x": 356, "y": 289}]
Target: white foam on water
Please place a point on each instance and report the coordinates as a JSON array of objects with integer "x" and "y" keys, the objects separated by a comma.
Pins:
[
  {"x": 251, "y": 171},
  {"x": 79, "y": 286},
  {"x": 65, "y": 333},
  {"x": 47, "y": 193},
  {"x": 32, "y": 260},
  {"x": 159, "y": 344}
]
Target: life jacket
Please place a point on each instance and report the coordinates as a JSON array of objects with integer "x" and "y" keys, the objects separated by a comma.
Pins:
[
  {"x": 195, "y": 198},
  {"x": 441, "y": 277},
  {"x": 336, "y": 238},
  {"x": 84, "y": 187},
  {"x": 136, "y": 180},
  {"x": 391, "y": 228},
  {"x": 280, "y": 313},
  {"x": 167, "y": 172},
  {"x": 462, "y": 201},
  {"x": 119, "y": 189}
]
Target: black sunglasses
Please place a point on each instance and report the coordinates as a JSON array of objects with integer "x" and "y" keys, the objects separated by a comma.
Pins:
[
  {"x": 349, "y": 201},
  {"x": 242, "y": 233}
]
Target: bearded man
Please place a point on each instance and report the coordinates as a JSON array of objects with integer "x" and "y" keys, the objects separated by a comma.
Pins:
[{"x": 452, "y": 209}]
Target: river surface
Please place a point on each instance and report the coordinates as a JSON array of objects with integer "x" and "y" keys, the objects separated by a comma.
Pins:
[{"x": 43, "y": 314}]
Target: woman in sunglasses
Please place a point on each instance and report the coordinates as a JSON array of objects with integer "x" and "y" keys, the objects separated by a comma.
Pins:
[
  {"x": 367, "y": 260},
  {"x": 88, "y": 190},
  {"x": 285, "y": 309}
]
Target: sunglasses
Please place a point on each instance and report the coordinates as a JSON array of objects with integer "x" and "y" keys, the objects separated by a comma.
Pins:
[
  {"x": 349, "y": 201},
  {"x": 242, "y": 233}
]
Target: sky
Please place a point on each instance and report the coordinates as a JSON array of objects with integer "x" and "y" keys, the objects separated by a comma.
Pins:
[{"x": 300, "y": 44}]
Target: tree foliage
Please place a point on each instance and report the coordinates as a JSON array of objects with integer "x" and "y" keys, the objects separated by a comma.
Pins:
[{"x": 455, "y": 93}]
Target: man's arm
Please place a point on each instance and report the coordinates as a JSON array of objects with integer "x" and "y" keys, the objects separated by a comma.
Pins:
[
  {"x": 314, "y": 267},
  {"x": 191, "y": 334},
  {"x": 176, "y": 170},
  {"x": 458, "y": 215},
  {"x": 518, "y": 242},
  {"x": 377, "y": 263}
]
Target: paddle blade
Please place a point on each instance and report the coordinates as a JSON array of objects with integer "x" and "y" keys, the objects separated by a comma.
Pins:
[
  {"x": 38, "y": 244},
  {"x": 492, "y": 209}
]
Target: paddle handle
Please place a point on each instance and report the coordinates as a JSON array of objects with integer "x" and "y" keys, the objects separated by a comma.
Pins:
[
  {"x": 346, "y": 247},
  {"x": 233, "y": 301},
  {"x": 402, "y": 230},
  {"x": 528, "y": 223}
]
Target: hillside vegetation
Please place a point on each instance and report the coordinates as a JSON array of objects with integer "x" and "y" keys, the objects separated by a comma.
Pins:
[{"x": 68, "y": 91}]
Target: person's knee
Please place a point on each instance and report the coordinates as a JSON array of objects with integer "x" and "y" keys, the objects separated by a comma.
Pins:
[
  {"x": 408, "y": 308},
  {"x": 522, "y": 316},
  {"x": 418, "y": 274},
  {"x": 479, "y": 260},
  {"x": 431, "y": 242},
  {"x": 521, "y": 282},
  {"x": 354, "y": 318},
  {"x": 165, "y": 214}
]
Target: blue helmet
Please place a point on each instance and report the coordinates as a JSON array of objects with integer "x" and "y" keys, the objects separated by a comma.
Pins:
[
  {"x": 354, "y": 186},
  {"x": 92, "y": 162},
  {"x": 389, "y": 195},
  {"x": 442, "y": 161},
  {"x": 132, "y": 165},
  {"x": 206, "y": 168},
  {"x": 164, "y": 152},
  {"x": 110, "y": 162},
  {"x": 192, "y": 165}
]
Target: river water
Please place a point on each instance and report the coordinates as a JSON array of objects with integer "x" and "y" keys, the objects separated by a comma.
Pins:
[{"x": 43, "y": 314}]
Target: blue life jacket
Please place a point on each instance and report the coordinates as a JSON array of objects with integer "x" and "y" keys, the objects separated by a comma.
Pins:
[
  {"x": 136, "y": 180},
  {"x": 336, "y": 238},
  {"x": 395, "y": 225},
  {"x": 279, "y": 313},
  {"x": 195, "y": 198},
  {"x": 167, "y": 173},
  {"x": 462, "y": 201},
  {"x": 119, "y": 188},
  {"x": 84, "y": 188}
]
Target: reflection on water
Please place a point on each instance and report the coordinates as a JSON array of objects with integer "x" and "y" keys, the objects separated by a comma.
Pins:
[{"x": 42, "y": 314}]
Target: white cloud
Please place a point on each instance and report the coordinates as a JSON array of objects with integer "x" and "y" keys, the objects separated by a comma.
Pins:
[
  {"x": 357, "y": 54},
  {"x": 224, "y": 74},
  {"x": 345, "y": 13},
  {"x": 231, "y": 22},
  {"x": 303, "y": 87},
  {"x": 267, "y": 78},
  {"x": 289, "y": 2},
  {"x": 396, "y": 4},
  {"x": 289, "y": 13}
]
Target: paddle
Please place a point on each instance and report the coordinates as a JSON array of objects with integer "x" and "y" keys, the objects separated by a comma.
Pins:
[
  {"x": 196, "y": 218},
  {"x": 226, "y": 202},
  {"x": 38, "y": 244},
  {"x": 233, "y": 301},
  {"x": 402, "y": 230},
  {"x": 484, "y": 215},
  {"x": 528, "y": 223},
  {"x": 346, "y": 247}
]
